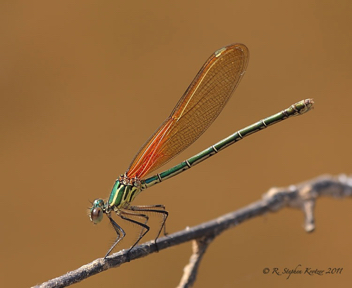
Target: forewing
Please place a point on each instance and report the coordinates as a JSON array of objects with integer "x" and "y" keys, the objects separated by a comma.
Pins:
[{"x": 195, "y": 111}]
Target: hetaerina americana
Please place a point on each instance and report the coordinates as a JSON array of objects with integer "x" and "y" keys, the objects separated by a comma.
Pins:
[{"x": 194, "y": 113}]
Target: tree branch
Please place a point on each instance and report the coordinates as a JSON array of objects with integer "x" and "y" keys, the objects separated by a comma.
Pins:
[
  {"x": 199, "y": 246},
  {"x": 301, "y": 196}
]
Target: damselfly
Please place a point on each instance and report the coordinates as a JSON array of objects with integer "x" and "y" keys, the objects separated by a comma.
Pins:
[{"x": 194, "y": 113}]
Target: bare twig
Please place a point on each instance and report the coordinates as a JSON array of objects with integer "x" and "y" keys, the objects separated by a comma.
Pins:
[
  {"x": 301, "y": 196},
  {"x": 199, "y": 246}
]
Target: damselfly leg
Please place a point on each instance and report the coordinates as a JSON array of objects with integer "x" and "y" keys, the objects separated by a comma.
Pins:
[{"x": 154, "y": 209}]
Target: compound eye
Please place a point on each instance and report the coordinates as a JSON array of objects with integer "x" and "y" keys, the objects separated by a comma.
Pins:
[{"x": 96, "y": 215}]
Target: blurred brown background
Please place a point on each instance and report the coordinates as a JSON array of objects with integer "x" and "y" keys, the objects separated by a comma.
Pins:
[{"x": 85, "y": 83}]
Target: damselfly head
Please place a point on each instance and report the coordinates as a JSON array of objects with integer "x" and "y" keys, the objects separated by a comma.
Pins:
[{"x": 97, "y": 211}]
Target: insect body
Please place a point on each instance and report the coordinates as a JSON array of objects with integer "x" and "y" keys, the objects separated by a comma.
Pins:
[{"x": 194, "y": 113}]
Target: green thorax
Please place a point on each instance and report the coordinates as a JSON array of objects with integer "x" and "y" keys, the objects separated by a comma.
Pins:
[{"x": 123, "y": 192}]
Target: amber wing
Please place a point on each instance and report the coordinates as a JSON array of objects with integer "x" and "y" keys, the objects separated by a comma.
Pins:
[{"x": 195, "y": 111}]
